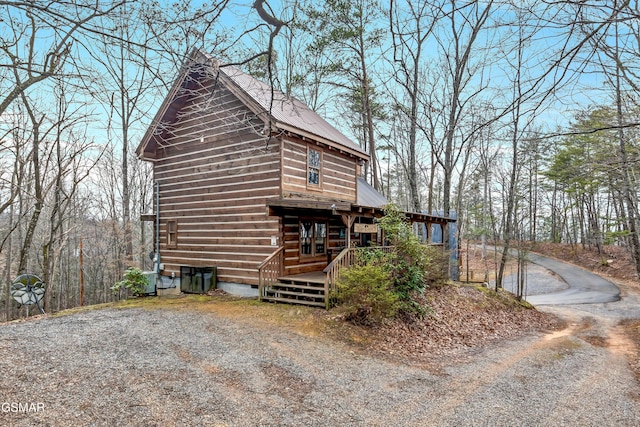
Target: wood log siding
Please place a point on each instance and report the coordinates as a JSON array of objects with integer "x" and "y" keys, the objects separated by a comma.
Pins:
[
  {"x": 234, "y": 144},
  {"x": 338, "y": 173},
  {"x": 177, "y": 204},
  {"x": 293, "y": 262},
  {"x": 215, "y": 173},
  {"x": 291, "y": 232},
  {"x": 216, "y": 111}
]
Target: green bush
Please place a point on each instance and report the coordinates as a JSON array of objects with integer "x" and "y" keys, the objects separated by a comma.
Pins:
[
  {"x": 134, "y": 282},
  {"x": 413, "y": 265},
  {"x": 364, "y": 294},
  {"x": 383, "y": 284}
]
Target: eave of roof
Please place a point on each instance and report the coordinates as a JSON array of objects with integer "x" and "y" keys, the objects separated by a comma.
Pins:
[
  {"x": 164, "y": 108},
  {"x": 340, "y": 208}
]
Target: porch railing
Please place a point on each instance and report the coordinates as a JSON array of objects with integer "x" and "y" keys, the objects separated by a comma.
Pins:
[
  {"x": 270, "y": 270},
  {"x": 345, "y": 259}
]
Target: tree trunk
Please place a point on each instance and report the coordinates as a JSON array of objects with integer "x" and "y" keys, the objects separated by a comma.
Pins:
[
  {"x": 37, "y": 188},
  {"x": 626, "y": 181}
]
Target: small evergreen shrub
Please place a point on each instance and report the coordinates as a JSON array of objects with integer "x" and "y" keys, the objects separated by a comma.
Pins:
[
  {"x": 134, "y": 281},
  {"x": 364, "y": 294},
  {"x": 413, "y": 266}
]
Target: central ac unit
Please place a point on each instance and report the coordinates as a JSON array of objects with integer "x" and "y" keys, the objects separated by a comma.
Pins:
[
  {"x": 197, "y": 280},
  {"x": 150, "y": 288}
]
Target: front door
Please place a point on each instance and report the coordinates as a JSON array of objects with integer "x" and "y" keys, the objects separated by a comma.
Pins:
[{"x": 313, "y": 238}]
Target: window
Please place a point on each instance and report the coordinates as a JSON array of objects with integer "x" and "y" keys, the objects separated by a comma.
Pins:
[
  {"x": 314, "y": 167},
  {"x": 172, "y": 234},
  {"x": 306, "y": 234},
  {"x": 320, "y": 237},
  {"x": 313, "y": 238}
]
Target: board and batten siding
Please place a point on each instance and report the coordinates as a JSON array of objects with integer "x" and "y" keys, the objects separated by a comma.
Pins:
[
  {"x": 338, "y": 181},
  {"x": 215, "y": 173}
]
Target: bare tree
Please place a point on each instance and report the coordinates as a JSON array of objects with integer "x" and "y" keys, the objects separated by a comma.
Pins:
[
  {"x": 466, "y": 22},
  {"x": 346, "y": 34},
  {"x": 25, "y": 53},
  {"x": 629, "y": 195},
  {"x": 125, "y": 89},
  {"x": 411, "y": 28}
]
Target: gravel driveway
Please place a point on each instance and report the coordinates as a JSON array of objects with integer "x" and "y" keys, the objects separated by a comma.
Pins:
[{"x": 177, "y": 367}]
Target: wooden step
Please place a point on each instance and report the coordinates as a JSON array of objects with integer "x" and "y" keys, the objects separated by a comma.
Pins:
[
  {"x": 294, "y": 301},
  {"x": 301, "y": 282},
  {"x": 294, "y": 293},
  {"x": 297, "y": 286}
]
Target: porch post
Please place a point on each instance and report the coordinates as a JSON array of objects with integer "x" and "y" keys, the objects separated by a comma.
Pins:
[
  {"x": 348, "y": 221},
  {"x": 445, "y": 236}
]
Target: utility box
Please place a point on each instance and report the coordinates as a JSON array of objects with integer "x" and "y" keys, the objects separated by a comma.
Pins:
[
  {"x": 197, "y": 280},
  {"x": 150, "y": 288}
]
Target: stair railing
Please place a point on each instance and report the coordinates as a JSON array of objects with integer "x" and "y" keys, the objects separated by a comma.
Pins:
[
  {"x": 345, "y": 259},
  {"x": 270, "y": 270}
]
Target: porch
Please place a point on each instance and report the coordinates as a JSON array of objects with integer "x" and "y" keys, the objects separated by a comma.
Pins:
[{"x": 320, "y": 238}]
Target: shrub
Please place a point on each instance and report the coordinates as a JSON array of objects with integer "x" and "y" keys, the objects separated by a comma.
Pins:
[
  {"x": 413, "y": 265},
  {"x": 134, "y": 282},
  {"x": 365, "y": 294},
  {"x": 387, "y": 283},
  {"x": 435, "y": 265}
]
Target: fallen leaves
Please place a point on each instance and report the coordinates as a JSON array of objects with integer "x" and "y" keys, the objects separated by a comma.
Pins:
[{"x": 461, "y": 318}]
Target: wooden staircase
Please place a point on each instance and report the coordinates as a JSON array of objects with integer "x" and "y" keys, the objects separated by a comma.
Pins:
[{"x": 305, "y": 289}]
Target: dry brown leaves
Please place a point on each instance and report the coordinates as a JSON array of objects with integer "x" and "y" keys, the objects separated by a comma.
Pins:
[
  {"x": 461, "y": 318},
  {"x": 631, "y": 328}
]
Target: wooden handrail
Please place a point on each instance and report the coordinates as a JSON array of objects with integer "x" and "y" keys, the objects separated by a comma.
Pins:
[
  {"x": 345, "y": 259},
  {"x": 337, "y": 259},
  {"x": 332, "y": 271},
  {"x": 270, "y": 257},
  {"x": 270, "y": 270}
]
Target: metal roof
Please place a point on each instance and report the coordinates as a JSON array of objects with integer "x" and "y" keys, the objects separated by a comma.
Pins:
[
  {"x": 368, "y": 196},
  {"x": 289, "y": 111},
  {"x": 286, "y": 112}
]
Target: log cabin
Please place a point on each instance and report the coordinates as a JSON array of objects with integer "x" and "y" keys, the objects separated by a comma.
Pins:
[{"x": 256, "y": 186}]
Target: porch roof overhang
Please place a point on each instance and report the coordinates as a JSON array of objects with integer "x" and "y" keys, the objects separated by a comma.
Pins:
[
  {"x": 347, "y": 208},
  {"x": 322, "y": 205},
  {"x": 430, "y": 219}
]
